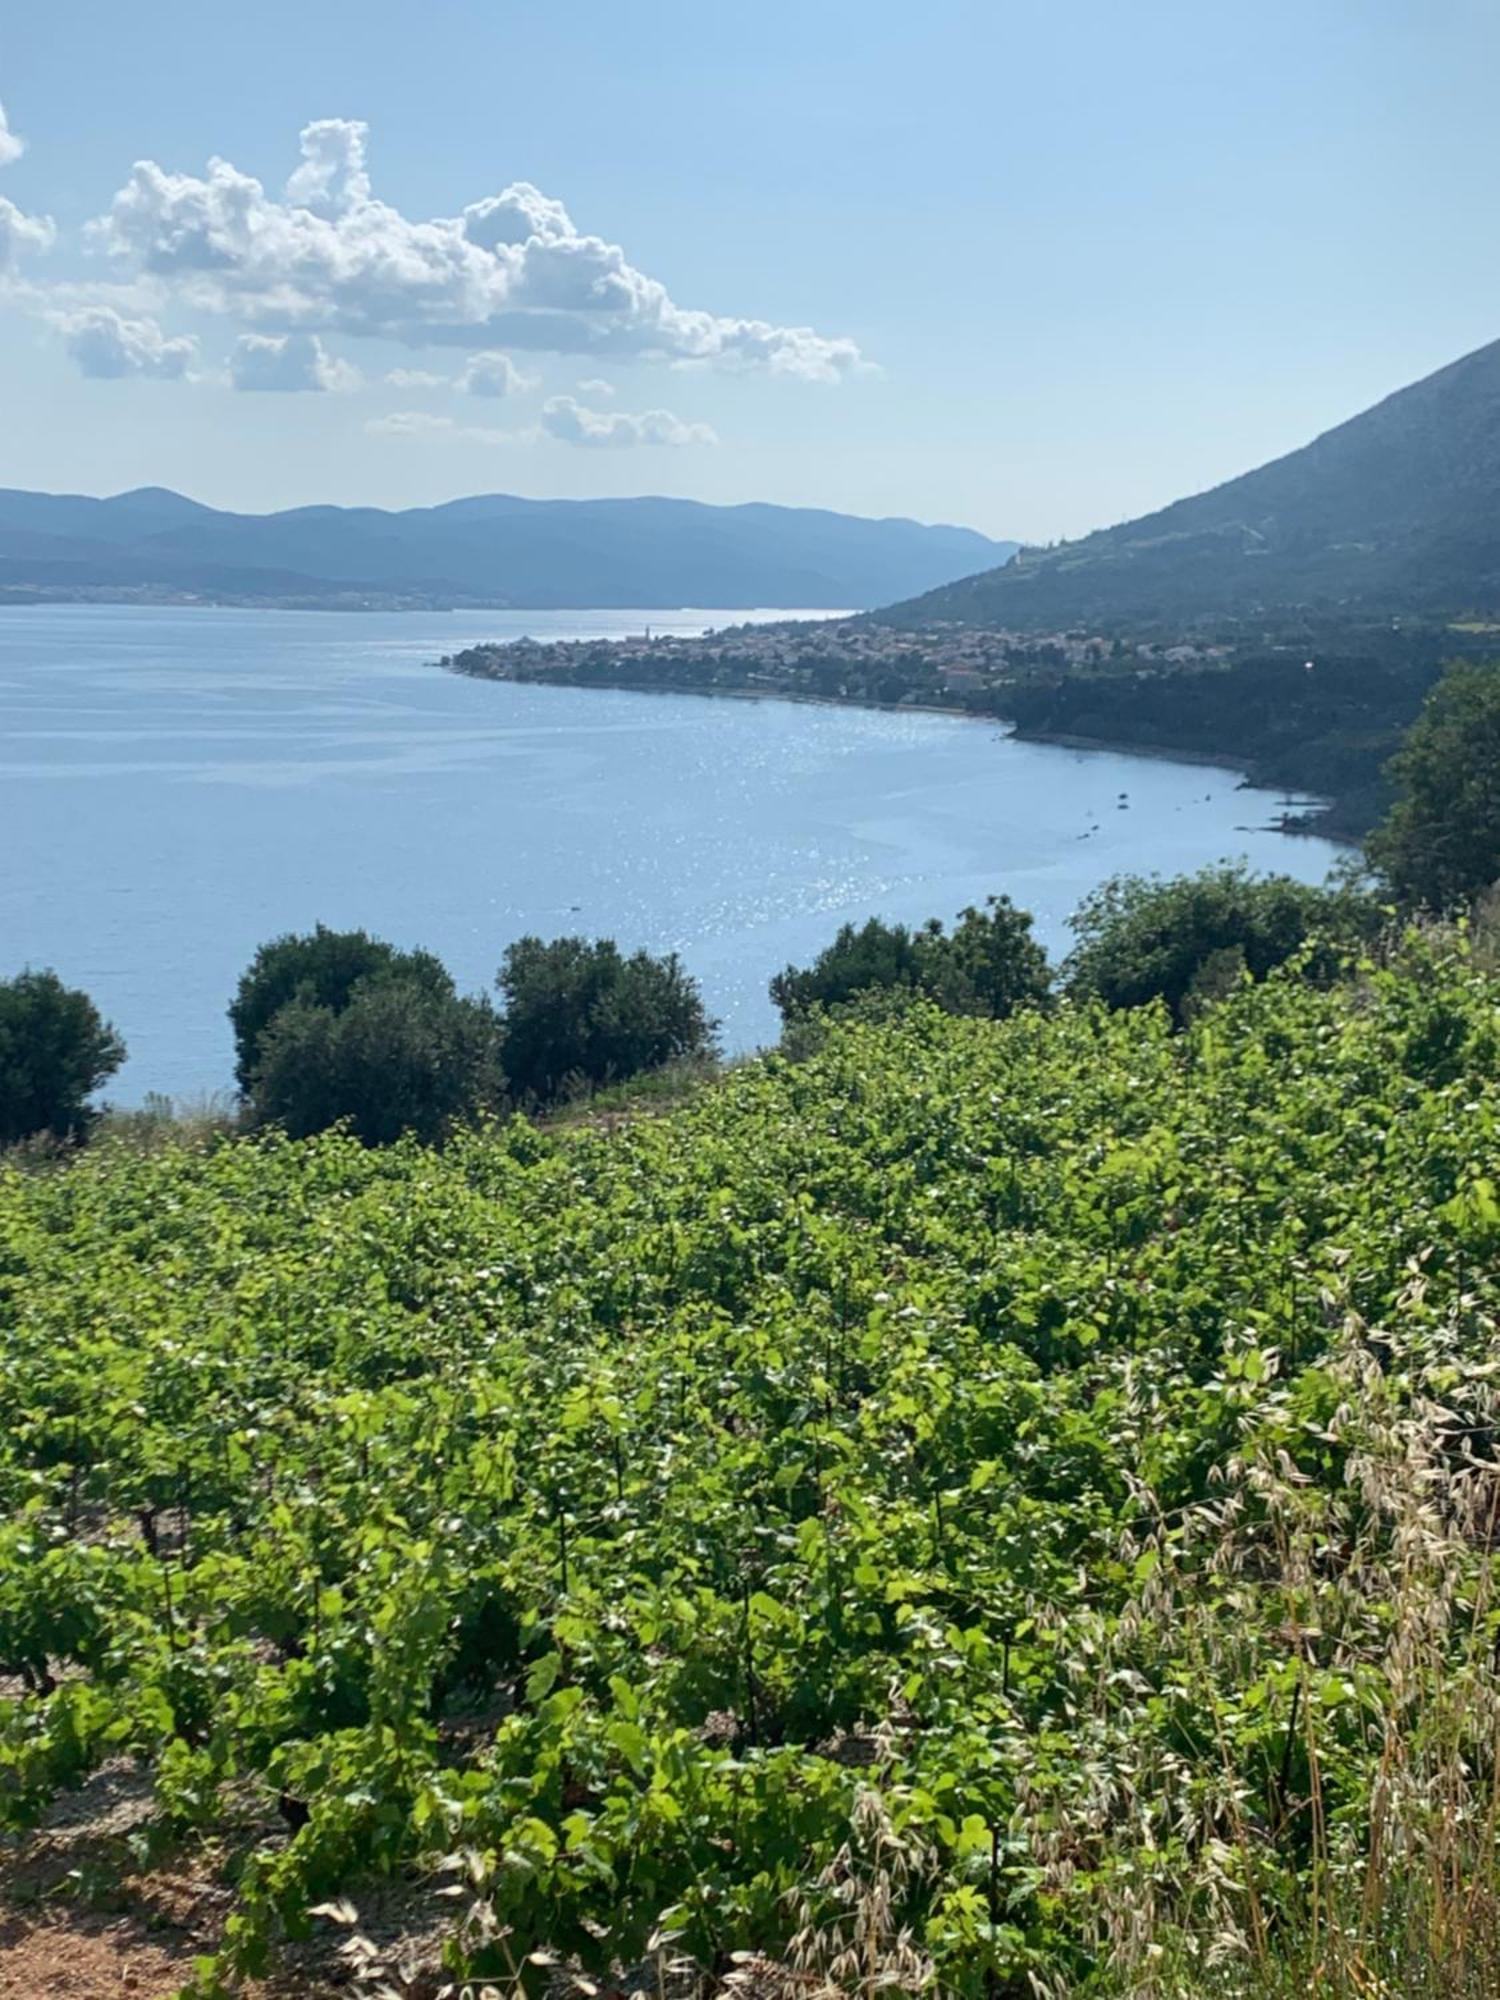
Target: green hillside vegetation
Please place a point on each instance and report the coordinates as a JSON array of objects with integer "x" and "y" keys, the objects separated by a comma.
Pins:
[
  {"x": 338, "y": 1027},
  {"x": 1395, "y": 511},
  {"x": 1313, "y": 706},
  {"x": 995, "y": 1507},
  {"x": 1439, "y": 847},
  {"x": 1190, "y": 940},
  {"x": 988, "y": 964}
]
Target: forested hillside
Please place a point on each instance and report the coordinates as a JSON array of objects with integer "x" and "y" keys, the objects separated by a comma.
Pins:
[
  {"x": 1394, "y": 511},
  {"x": 988, "y": 1508}
]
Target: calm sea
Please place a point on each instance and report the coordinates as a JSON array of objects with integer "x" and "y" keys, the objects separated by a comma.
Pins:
[{"x": 179, "y": 785}]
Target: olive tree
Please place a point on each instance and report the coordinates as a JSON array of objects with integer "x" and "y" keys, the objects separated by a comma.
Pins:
[
  {"x": 55, "y": 1051},
  {"x": 579, "y": 1012}
]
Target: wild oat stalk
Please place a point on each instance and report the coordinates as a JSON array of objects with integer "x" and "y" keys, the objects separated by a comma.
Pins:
[{"x": 1287, "y": 1748}]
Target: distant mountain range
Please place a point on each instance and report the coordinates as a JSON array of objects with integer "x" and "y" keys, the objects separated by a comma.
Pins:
[
  {"x": 1396, "y": 511},
  {"x": 493, "y": 550}
]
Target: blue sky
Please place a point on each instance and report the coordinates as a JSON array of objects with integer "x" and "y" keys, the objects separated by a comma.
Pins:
[{"x": 1026, "y": 265}]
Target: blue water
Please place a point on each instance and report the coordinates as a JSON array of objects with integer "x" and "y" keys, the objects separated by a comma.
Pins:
[{"x": 178, "y": 785}]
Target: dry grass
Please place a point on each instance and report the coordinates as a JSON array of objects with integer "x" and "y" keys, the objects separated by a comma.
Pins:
[{"x": 1287, "y": 1750}]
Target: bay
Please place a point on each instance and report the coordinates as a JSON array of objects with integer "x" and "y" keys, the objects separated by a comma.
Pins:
[{"x": 179, "y": 784}]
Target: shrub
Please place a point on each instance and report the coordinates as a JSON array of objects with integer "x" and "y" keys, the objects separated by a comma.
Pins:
[
  {"x": 55, "y": 1051},
  {"x": 1439, "y": 846},
  {"x": 398, "y": 1058},
  {"x": 990, "y": 965},
  {"x": 323, "y": 968},
  {"x": 579, "y": 1012},
  {"x": 876, "y": 956},
  {"x": 1187, "y": 939}
]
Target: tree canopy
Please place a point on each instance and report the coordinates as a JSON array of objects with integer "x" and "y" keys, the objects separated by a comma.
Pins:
[
  {"x": 1187, "y": 939},
  {"x": 397, "y": 1059},
  {"x": 55, "y": 1051},
  {"x": 324, "y": 968},
  {"x": 1439, "y": 847},
  {"x": 578, "y": 1011},
  {"x": 990, "y": 964}
]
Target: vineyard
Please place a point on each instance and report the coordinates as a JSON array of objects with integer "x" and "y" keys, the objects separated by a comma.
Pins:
[{"x": 987, "y": 1508}]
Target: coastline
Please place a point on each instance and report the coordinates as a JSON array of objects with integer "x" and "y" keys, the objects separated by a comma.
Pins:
[
  {"x": 1209, "y": 760},
  {"x": 1319, "y": 809},
  {"x": 744, "y": 694},
  {"x": 1213, "y": 760}
]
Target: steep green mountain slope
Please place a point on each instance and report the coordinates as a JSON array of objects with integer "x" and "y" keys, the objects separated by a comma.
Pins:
[
  {"x": 492, "y": 549},
  {"x": 1397, "y": 510},
  {"x": 1014, "y": 1503}
]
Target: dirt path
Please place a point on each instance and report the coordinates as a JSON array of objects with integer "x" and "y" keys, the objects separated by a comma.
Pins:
[{"x": 72, "y": 1956}]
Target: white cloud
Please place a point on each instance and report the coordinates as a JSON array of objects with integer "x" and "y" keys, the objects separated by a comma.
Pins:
[
  {"x": 417, "y": 378},
  {"x": 595, "y": 385},
  {"x": 423, "y": 424},
  {"x": 20, "y": 233},
  {"x": 489, "y": 374},
  {"x": 572, "y": 423},
  {"x": 515, "y": 216},
  {"x": 511, "y": 271},
  {"x": 107, "y": 346},
  {"x": 293, "y": 361},
  {"x": 410, "y": 423},
  {"x": 331, "y": 179},
  {"x": 12, "y": 145}
]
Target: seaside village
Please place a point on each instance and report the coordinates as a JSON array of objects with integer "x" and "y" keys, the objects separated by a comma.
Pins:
[{"x": 949, "y": 663}]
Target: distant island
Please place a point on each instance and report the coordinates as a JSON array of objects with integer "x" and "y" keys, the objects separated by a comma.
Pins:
[{"x": 492, "y": 551}]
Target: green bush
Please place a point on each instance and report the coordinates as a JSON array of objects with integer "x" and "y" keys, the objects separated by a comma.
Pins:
[
  {"x": 875, "y": 957},
  {"x": 579, "y": 1012},
  {"x": 1187, "y": 940},
  {"x": 324, "y": 968},
  {"x": 1439, "y": 847},
  {"x": 990, "y": 965},
  {"x": 55, "y": 1051},
  {"x": 397, "y": 1059}
]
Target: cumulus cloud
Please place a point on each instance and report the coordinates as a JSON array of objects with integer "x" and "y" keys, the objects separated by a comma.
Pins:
[
  {"x": 108, "y": 346},
  {"x": 595, "y": 385},
  {"x": 515, "y": 216},
  {"x": 416, "y": 378},
  {"x": 20, "y": 233},
  {"x": 12, "y": 145},
  {"x": 290, "y": 362},
  {"x": 513, "y": 270},
  {"x": 572, "y": 422},
  {"x": 331, "y": 179},
  {"x": 493, "y": 375}
]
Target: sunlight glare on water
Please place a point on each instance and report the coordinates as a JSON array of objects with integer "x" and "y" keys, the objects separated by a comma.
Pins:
[{"x": 182, "y": 784}]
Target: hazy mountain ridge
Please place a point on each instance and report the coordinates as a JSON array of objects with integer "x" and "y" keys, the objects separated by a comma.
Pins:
[
  {"x": 491, "y": 549},
  {"x": 1397, "y": 510}
]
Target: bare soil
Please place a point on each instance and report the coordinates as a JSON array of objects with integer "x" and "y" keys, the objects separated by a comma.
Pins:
[{"x": 77, "y": 1955}]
